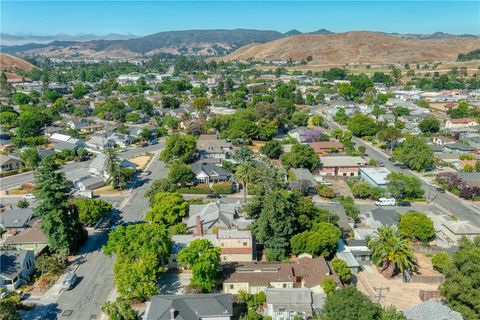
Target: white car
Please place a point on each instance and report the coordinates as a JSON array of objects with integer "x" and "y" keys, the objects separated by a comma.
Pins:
[
  {"x": 431, "y": 183},
  {"x": 385, "y": 202},
  {"x": 28, "y": 196}
]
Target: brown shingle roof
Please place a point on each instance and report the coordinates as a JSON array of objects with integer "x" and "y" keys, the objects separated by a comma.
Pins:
[
  {"x": 30, "y": 235},
  {"x": 325, "y": 145}
]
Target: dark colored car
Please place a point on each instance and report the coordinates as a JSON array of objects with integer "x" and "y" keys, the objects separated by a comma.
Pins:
[
  {"x": 214, "y": 196},
  {"x": 404, "y": 204},
  {"x": 391, "y": 160},
  {"x": 403, "y": 166},
  {"x": 440, "y": 190}
]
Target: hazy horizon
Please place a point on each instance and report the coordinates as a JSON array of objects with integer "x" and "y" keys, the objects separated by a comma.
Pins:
[{"x": 47, "y": 18}]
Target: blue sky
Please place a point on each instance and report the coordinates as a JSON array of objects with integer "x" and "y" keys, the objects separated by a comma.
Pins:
[{"x": 146, "y": 17}]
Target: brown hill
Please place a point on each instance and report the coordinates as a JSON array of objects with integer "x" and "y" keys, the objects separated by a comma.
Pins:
[
  {"x": 356, "y": 47},
  {"x": 10, "y": 65}
]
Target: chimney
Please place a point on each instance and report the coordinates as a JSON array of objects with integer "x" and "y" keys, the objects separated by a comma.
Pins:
[
  {"x": 198, "y": 227},
  {"x": 172, "y": 313}
]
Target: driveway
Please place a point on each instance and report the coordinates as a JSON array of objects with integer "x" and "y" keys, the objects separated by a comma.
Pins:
[{"x": 174, "y": 282}]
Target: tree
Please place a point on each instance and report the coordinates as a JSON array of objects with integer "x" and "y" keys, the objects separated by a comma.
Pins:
[
  {"x": 361, "y": 150},
  {"x": 364, "y": 190},
  {"x": 391, "y": 313},
  {"x": 402, "y": 186},
  {"x": 321, "y": 241},
  {"x": 429, "y": 125},
  {"x": 180, "y": 173},
  {"x": 23, "y": 203},
  {"x": 415, "y": 153},
  {"x": 341, "y": 116},
  {"x": 21, "y": 98},
  {"x": 30, "y": 157},
  {"x": 300, "y": 118},
  {"x": 9, "y": 305},
  {"x": 119, "y": 310},
  {"x": 416, "y": 225},
  {"x": 30, "y": 123},
  {"x": 389, "y": 135},
  {"x": 246, "y": 173},
  {"x": 272, "y": 149},
  {"x": 167, "y": 208},
  {"x": 349, "y": 303},
  {"x": 170, "y": 102},
  {"x": 142, "y": 250},
  {"x": 391, "y": 251},
  {"x": 400, "y": 111},
  {"x": 200, "y": 104},
  {"x": 442, "y": 261},
  {"x": 6, "y": 89},
  {"x": 301, "y": 156},
  {"x": 59, "y": 221},
  {"x": 118, "y": 177},
  {"x": 242, "y": 154},
  {"x": 141, "y": 103},
  {"x": 180, "y": 147},
  {"x": 80, "y": 91},
  {"x": 341, "y": 268},
  {"x": 362, "y": 125},
  {"x": 92, "y": 210},
  {"x": 276, "y": 223},
  {"x": 328, "y": 285},
  {"x": 460, "y": 288},
  {"x": 204, "y": 260}
]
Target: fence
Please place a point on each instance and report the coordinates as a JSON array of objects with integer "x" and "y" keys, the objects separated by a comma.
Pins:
[
  {"x": 427, "y": 279},
  {"x": 427, "y": 295}
]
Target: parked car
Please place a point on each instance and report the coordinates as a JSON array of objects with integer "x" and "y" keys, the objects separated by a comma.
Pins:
[
  {"x": 404, "y": 204},
  {"x": 28, "y": 196},
  {"x": 214, "y": 196},
  {"x": 403, "y": 166},
  {"x": 334, "y": 202},
  {"x": 391, "y": 160},
  {"x": 385, "y": 202},
  {"x": 146, "y": 173},
  {"x": 381, "y": 164},
  {"x": 325, "y": 183},
  {"x": 440, "y": 190},
  {"x": 69, "y": 281},
  {"x": 431, "y": 183}
]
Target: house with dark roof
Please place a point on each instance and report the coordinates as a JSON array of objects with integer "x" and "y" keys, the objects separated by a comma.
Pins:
[
  {"x": 218, "y": 306},
  {"x": 213, "y": 214},
  {"x": 253, "y": 277},
  {"x": 209, "y": 173},
  {"x": 16, "y": 267},
  {"x": 209, "y": 146},
  {"x": 458, "y": 147},
  {"x": 15, "y": 219}
]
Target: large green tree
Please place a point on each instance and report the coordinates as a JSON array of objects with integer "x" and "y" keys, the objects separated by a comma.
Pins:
[
  {"x": 402, "y": 186},
  {"x": 246, "y": 173},
  {"x": 59, "y": 219},
  {"x": 416, "y": 225},
  {"x": 429, "y": 125},
  {"x": 461, "y": 288},
  {"x": 301, "y": 156},
  {"x": 180, "y": 173},
  {"x": 179, "y": 147},
  {"x": 91, "y": 210},
  {"x": 322, "y": 240},
  {"x": 349, "y": 303},
  {"x": 167, "y": 208},
  {"x": 362, "y": 125},
  {"x": 415, "y": 153},
  {"x": 203, "y": 258}
]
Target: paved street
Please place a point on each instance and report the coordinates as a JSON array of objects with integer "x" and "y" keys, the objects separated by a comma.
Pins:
[{"x": 95, "y": 270}]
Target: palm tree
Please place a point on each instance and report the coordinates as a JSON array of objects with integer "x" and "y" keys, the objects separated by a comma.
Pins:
[
  {"x": 391, "y": 250},
  {"x": 245, "y": 172}
]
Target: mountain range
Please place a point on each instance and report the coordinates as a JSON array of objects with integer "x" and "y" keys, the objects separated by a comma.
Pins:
[{"x": 251, "y": 43}]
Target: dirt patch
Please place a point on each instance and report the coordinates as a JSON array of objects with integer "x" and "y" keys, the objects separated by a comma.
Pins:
[
  {"x": 340, "y": 186},
  {"x": 107, "y": 190},
  {"x": 141, "y": 161},
  {"x": 425, "y": 267}
]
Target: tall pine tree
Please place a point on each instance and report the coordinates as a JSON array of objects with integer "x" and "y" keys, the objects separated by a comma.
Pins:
[{"x": 60, "y": 221}]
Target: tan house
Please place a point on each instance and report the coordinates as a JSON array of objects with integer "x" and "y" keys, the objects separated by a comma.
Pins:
[
  {"x": 33, "y": 239},
  {"x": 324, "y": 147},
  {"x": 255, "y": 277},
  {"x": 8, "y": 163},
  {"x": 340, "y": 166},
  {"x": 460, "y": 123},
  {"x": 236, "y": 245}
]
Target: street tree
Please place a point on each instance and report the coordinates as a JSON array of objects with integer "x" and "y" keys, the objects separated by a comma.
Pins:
[
  {"x": 415, "y": 153},
  {"x": 362, "y": 125},
  {"x": 179, "y": 147},
  {"x": 349, "y": 303},
  {"x": 90, "y": 211},
  {"x": 246, "y": 173},
  {"x": 167, "y": 208},
  {"x": 402, "y": 186},
  {"x": 301, "y": 156}
]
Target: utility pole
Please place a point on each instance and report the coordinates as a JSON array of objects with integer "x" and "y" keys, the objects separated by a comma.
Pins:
[{"x": 380, "y": 292}]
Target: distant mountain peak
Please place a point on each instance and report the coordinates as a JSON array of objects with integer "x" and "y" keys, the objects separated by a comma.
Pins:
[
  {"x": 293, "y": 32},
  {"x": 321, "y": 31}
]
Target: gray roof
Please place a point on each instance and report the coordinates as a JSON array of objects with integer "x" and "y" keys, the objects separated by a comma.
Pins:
[
  {"x": 303, "y": 174},
  {"x": 189, "y": 307},
  {"x": 61, "y": 145},
  {"x": 11, "y": 262},
  {"x": 234, "y": 234},
  {"x": 15, "y": 218},
  {"x": 211, "y": 213},
  {"x": 91, "y": 183},
  {"x": 76, "y": 175},
  {"x": 180, "y": 241},
  {"x": 432, "y": 310},
  {"x": 385, "y": 217},
  {"x": 294, "y": 300},
  {"x": 210, "y": 170},
  {"x": 458, "y": 146}
]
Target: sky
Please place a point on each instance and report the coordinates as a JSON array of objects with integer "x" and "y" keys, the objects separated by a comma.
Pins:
[{"x": 147, "y": 17}]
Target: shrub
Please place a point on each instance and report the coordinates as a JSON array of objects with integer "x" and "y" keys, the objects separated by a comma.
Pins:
[
  {"x": 326, "y": 192},
  {"x": 341, "y": 268},
  {"x": 223, "y": 187},
  {"x": 442, "y": 261}
]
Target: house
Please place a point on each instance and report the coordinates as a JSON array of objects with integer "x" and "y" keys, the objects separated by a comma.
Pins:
[
  {"x": 70, "y": 144},
  {"x": 213, "y": 214},
  {"x": 452, "y": 231},
  {"x": 460, "y": 123},
  {"x": 354, "y": 252},
  {"x": 432, "y": 310},
  {"x": 441, "y": 140},
  {"x": 474, "y": 142},
  {"x": 99, "y": 143},
  {"x": 97, "y": 166},
  {"x": 9, "y": 163},
  {"x": 323, "y": 147},
  {"x": 15, "y": 219},
  {"x": 304, "y": 176},
  {"x": 288, "y": 304},
  {"x": 209, "y": 173},
  {"x": 341, "y": 166},
  {"x": 6, "y": 145},
  {"x": 77, "y": 124},
  {"x": 412, "y": 127},
  {"x": 209, "y": 146},
  {"x": 236, "y": 245},
  {"x": 471, "y": 179},
  {"x": 458, "y": 147},
  {"x": 254, "y": 277},
  {"x": 90, "y": 183},
  {"x": 58, "y": 137},
  {"x": 376, "y": 176},
  {"x": 120, "y": 139},
  {"x": 306, "y": 135},
  {"x": 387, "y": 118},
  {"x": 16, "y": 267},
  {"x": 33, "y": 239},
  {"x": 211, "y": 306}
]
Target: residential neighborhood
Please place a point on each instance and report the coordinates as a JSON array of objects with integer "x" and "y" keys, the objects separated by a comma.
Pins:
[{"x": 191, "y": 185}]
